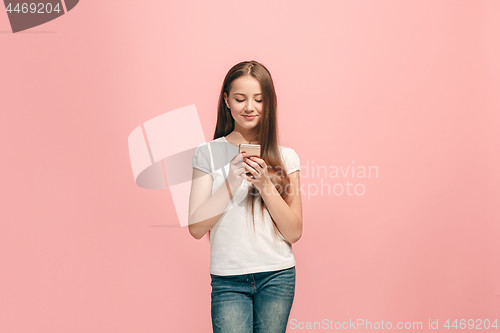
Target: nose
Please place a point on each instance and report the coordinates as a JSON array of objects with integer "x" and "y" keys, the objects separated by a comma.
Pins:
[{"x": 250, "y": 106}]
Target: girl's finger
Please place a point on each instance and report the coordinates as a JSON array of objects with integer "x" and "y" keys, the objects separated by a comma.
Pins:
[
  {"x": 253, "y": 163},
  {"x": 251, "y": 169}
]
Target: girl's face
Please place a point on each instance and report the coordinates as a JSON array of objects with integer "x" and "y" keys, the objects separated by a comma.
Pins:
[{"x": 245, "y": 99}]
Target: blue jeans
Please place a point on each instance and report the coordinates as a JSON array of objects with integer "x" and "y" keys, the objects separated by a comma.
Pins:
[{"x": 252, "y": 303}]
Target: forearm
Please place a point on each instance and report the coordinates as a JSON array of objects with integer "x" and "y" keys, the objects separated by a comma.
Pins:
[
  {"x": 287, "y": 221},
  {"x": 207, "y": 215}
]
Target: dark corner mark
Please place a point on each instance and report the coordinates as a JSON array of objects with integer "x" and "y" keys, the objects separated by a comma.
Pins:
[{"x": 24, "y": 15}]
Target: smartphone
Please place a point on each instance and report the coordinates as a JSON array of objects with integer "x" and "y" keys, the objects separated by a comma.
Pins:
[{"x": 250, "y": 150}]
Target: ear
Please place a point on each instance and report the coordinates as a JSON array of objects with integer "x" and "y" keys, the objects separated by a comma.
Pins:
[{"x": 225, "y": 98}]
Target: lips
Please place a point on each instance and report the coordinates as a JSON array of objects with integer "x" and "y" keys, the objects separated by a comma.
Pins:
[{"x": 249, "y": 117}]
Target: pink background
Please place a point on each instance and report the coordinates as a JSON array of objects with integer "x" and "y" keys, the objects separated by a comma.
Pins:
[{"x": 408, "y": 86}]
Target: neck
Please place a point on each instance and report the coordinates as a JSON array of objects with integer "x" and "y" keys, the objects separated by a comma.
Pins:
[{"x": 242, "y": 137}]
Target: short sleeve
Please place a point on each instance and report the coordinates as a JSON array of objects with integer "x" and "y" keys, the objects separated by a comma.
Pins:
[
  {"x": 293, "y": 161},
  {"x": 201, "y": 158}
]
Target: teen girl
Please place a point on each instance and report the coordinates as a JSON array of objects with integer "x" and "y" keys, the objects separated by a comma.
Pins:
[{"x": 250, "y": 207}]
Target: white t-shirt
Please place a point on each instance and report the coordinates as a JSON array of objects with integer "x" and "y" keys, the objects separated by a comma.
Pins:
[{"x": 235, "y": 248}]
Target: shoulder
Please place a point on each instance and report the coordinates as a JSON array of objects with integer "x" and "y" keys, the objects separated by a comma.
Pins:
[
  {"x": 287, "y": 151},
  {"x": 205, "y": 146},
  {"x": 290, "y": 158},
  {"x": 221, "y": 139}
]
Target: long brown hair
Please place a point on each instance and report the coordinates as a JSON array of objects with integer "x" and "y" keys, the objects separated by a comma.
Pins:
[{"x": 267, "y": 135}]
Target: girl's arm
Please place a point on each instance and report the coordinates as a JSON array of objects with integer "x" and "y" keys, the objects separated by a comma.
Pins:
[
  {"x": 206, "y": 209},
  {"x": 288, "y": 216}
]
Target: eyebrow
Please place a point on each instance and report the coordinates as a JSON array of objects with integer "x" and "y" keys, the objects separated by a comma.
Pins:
[{"x": 245, "y": 95}]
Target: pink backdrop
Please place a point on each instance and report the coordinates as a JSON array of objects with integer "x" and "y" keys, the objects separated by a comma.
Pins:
[{"x": 407, "y": 87}]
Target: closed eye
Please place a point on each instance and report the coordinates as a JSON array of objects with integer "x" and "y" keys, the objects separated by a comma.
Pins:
[{"x": 244, "y": 100}]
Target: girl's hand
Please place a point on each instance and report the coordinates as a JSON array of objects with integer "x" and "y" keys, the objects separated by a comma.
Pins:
[
  {"x": 259, "y": 170},
  {"x": 236, "y": 170}
]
